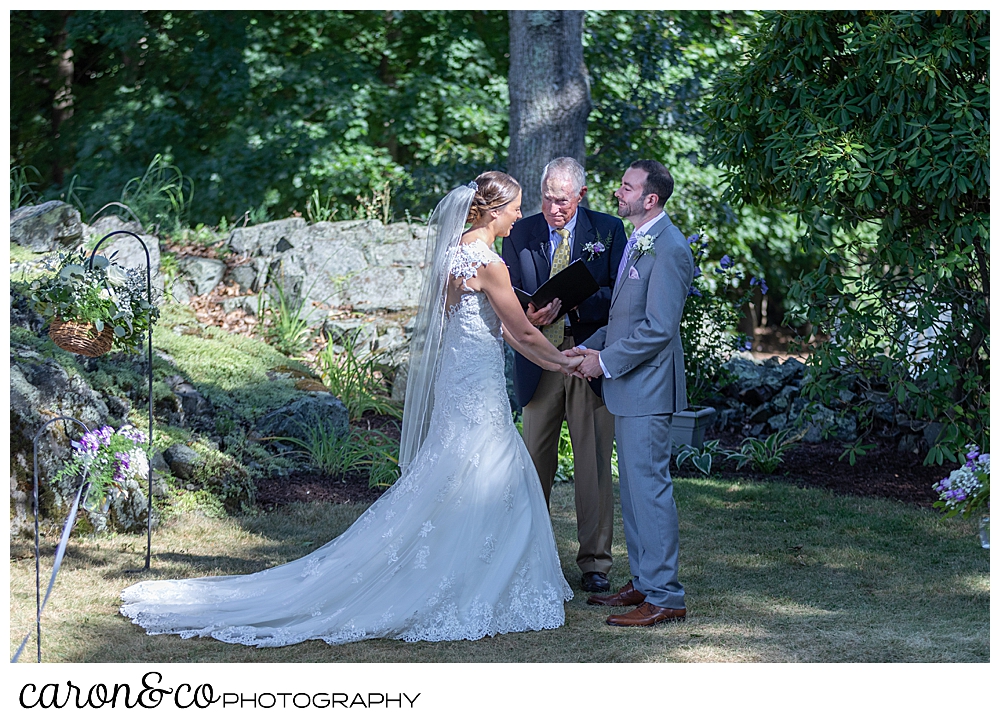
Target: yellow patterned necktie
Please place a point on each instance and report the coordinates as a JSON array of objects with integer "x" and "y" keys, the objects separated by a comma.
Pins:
[{"x": 556, "y": 331}]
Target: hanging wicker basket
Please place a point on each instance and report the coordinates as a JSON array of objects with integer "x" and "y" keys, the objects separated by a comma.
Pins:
[{"x": 81, "y": 338}]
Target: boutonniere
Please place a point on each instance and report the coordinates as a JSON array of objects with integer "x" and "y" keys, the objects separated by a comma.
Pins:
[
  {"x": 643, "y": 245},
  {"x": 594, "y": 249}
]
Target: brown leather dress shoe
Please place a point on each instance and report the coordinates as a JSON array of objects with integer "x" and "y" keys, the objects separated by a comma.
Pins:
[
  {"x": 628, "y": 595},
  {"x": 646, "y": 615}
]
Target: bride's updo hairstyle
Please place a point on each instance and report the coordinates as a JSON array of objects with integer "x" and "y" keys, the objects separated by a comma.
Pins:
[{"x": 495, "y": 190}]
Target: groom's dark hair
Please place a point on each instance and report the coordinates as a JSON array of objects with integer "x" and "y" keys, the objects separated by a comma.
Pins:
[{"x": 658, "y": 179}]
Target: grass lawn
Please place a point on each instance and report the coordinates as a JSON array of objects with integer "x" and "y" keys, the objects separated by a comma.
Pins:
[{"x": 773, "y": 573}]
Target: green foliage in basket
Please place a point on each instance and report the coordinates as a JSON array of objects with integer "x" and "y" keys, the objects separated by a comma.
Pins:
[{"x": 102, "y": 294}]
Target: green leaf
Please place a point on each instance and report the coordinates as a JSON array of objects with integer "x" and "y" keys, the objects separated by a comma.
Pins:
[{"x": 703, "y": 462}]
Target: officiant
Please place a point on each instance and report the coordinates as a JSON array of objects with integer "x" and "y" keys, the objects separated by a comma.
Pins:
[{"x": 539, "y": 247}]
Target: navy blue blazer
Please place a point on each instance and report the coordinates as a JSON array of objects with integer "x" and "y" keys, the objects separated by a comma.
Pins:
[{"x": 526, "y": 253}]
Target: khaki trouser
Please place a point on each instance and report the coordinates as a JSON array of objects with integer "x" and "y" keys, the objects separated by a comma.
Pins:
[{"x": 592, "y": 431}]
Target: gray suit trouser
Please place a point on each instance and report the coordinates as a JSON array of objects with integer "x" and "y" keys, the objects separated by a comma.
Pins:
[{"x": 648, "y": 507}]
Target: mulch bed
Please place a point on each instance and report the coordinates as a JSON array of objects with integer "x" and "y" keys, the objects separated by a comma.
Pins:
[
  {"x": 882, "y": 472},
  {"x": 318, "y": 486},
  {"x": 315, "y": 487}
]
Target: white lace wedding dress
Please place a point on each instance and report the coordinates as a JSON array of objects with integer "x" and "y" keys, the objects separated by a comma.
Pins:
[{"x": 461, "y": 547}]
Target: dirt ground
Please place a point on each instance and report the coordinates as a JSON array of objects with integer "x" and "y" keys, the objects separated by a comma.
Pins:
[{"x": 883, "y": 472}]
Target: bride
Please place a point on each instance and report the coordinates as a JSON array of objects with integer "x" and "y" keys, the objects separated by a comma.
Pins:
[{"x": 461, "y": 547}]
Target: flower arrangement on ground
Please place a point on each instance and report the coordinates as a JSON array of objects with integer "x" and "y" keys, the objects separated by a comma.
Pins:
[
  {"x": 103, "y": 294},
  {"x": 967, "y": 489},
  {"x": 115, "y": 464}
]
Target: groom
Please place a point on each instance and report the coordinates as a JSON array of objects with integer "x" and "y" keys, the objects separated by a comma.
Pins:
[{"x": 639, "y": 355}]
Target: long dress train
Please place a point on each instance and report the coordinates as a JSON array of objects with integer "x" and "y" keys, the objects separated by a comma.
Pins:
[{"x": 461, "y": 547}]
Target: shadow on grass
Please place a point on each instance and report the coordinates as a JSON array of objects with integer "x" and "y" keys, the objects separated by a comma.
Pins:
[{"x": 772, "y": 572}]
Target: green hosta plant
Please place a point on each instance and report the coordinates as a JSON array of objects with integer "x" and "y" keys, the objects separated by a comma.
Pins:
[
  {"x": 765, "y": 454},
  {"x": 700, "y": 458},
  {"x": 564, "y": 469},
  {"x": 102, "y": 294}
]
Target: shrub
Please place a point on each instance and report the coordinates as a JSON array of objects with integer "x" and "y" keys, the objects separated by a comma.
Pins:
[
  {"x": 873, "y": 126},
  {"x": 708, "y": 326}
]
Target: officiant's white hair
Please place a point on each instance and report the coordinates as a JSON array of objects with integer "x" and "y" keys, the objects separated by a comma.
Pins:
[{"x": 565, "y": 167}]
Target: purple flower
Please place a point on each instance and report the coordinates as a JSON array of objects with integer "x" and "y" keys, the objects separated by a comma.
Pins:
[
  {"x": 122, "y": 467},
  {"x": 697, "y": 271},
  {"x": 726, "y": 262},
  {"x": 973, "y": 453},
  {"x": 598, "y": 248},
  {"x": 693, "y": 237},
  {"x": 693, "y": 292},
  {"x": 763, "y": 286},
  {"x": 133, "y": 435},
  {"x": 747, "y": 345}
]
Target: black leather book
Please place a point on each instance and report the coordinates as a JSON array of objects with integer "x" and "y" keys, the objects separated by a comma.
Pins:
[{"x": 573, "y": 285}]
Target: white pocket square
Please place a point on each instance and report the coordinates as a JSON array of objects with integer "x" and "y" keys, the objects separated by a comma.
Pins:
[{"x": 632, "y": 273}]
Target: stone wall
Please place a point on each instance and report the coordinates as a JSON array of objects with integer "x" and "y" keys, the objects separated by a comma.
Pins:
[
  {"x": 766, "y": 397},
  {"x": 56, "y": 226},
  {"x": 361, "y": 264},
  {"x": 373, "y": 270}
]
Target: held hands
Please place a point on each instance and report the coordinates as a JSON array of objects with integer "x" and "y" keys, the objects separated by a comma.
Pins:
[
  {"x": 546, "y": 315},
  {"x": 571, "y": 364},
  {"x": 589, "y": 366}
]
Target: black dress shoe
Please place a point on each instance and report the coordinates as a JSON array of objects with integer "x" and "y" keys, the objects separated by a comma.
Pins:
[{"x": 595, "y": 582}]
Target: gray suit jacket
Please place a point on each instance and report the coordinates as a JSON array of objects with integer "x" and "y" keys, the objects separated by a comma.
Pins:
[{"x": 641, "y": 345}]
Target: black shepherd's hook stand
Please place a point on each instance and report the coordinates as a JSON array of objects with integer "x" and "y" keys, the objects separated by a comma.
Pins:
[
  {"x": 149, "y": 368},
  {"x": 59, "y": 549}
]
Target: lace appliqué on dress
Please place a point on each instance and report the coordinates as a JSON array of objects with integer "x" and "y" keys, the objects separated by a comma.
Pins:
[{"x": 452, "y": 556}]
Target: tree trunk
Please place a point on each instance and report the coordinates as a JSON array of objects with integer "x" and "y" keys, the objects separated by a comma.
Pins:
[
  {"x": 549, "y": 95},
  {"x": 62, "y": 99}
]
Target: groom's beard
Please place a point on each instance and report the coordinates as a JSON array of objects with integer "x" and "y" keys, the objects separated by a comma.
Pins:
[{"x": 626, "y": 210}]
